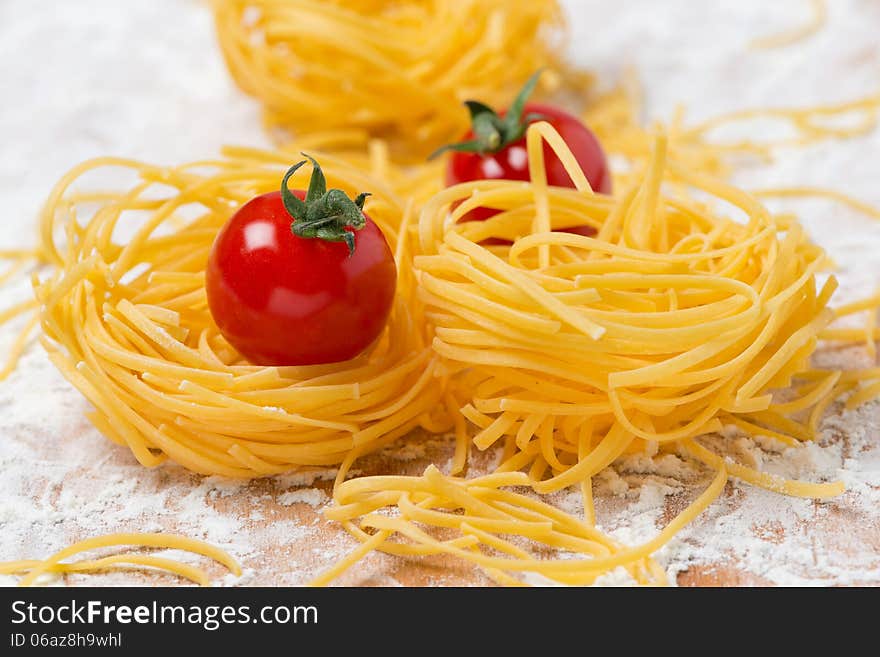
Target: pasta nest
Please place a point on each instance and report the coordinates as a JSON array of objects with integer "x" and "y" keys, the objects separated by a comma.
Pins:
[
  {"x": 689, "y": 306},
  {"x": 386, "y": 68},
  {"x": 125, "y": 319}
]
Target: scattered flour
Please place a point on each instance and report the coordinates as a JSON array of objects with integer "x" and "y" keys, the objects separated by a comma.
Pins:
[
  {"x": 617, "y": 577},
  {"x": 62, "y": 481},
  {"x": 314, "y": 497}
]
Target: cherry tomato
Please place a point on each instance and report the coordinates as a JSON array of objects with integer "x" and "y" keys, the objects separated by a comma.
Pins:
[
  {"x": 495, "y": 148},
  {"x": 283, "y": 299},
  {"x": 512, "y": 161}
]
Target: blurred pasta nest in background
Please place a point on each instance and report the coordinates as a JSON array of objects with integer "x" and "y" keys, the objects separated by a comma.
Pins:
[{"x": 396, "y": 70}]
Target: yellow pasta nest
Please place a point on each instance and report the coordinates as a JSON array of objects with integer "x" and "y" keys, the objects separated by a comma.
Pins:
[
  {"x": 386, "y": 68},
  {"x": 685, "y": 312},
  {"x": 671, "y": 322},
  {"x": 125, "y": 319}
]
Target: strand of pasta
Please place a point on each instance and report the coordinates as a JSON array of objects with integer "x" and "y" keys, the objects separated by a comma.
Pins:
[
  {"x": 479, "y": 509},
  {"x": 812, "y": 124},
  {"x": 56, "y": 564},
  {"x": 819, "y": 192},
  {"x": 818, "y": 18},
  {"x": 616, "y": 118}
]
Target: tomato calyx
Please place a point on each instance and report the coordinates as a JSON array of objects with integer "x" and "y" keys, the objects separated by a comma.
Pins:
[
  {"x": 324, "y": 214},
  {"x": 493, "y": 132}
]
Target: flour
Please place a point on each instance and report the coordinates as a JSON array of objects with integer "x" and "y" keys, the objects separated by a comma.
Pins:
[
  {"x": 777, "y": 539},
  {"x": 616, "y": 577},
  {"x": 128, "y": 81},
  {"x": 763, "y": 535},
  {"x": 312, "y": 496},
  {"x": 308, "y": 477}
]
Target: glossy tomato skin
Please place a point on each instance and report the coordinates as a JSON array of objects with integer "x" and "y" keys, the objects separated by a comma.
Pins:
[
  {"x": 280, "y": 299},
  {"x": 512, "y": 162}
]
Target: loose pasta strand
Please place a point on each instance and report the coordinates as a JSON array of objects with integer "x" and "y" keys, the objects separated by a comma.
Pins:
[{"x": 56, "y": 563}]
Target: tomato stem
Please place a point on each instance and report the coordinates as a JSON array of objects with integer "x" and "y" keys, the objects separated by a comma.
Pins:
[
  {"x": 492, "y": 132},
  {"x": 323, "y": 214}
]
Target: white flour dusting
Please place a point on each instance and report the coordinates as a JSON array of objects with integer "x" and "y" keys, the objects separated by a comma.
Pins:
[
  {"x": 169, "y": 100},
  {"x": 312, "y": 496}
]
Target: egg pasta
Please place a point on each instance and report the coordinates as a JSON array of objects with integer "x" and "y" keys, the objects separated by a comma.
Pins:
[
  {"x": 55, "y": 564},
  {"x": 124, "y": 318},
  {"x": 319, "y": 65},
  {"x": 673, "y": 321}
]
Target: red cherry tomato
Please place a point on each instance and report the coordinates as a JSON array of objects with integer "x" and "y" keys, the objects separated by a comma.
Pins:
[
  {"x": 512, "y": 162},
  {"x": 280, "y": 299}
]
